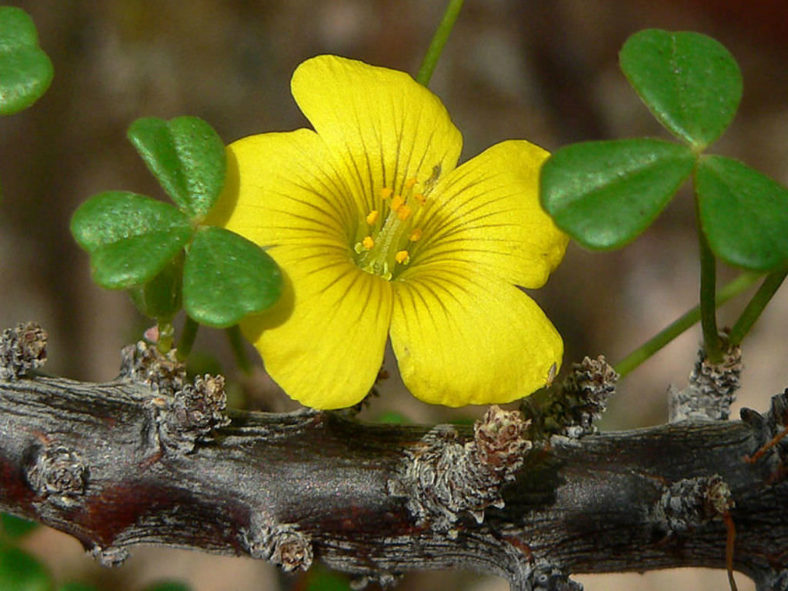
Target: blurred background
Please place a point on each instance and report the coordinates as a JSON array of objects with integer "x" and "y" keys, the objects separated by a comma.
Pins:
[{"x": 544, "y": 70}]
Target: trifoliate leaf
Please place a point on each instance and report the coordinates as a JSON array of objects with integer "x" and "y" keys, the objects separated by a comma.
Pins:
[
  {"x": 226, "y": 277},
  {"x": 743, "y": 213},
  {"x": 689, "y": 81},
  {"x": 130, "y": 237},
  {"x": 603, "y": 194},
  {"x": 187, "y": 157},
  {"x": 25, "y": 70}
]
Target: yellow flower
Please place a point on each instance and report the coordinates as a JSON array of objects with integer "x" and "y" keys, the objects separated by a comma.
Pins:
[{"x": 380, "y": 234}]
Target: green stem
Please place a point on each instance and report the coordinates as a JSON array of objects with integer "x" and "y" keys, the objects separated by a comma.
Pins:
[
  {"x": 678, "y": 326},
  {"x": 237, "y": 345},
  {"x": 166, "y": 334},
  {"x": 188, "y": 334},
  {"x": 438, "y": 41},
  {"x": 758, "y": 302},
  {"x": 708, "y": 307}
]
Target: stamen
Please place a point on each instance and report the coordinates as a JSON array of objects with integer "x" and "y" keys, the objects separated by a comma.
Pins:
[
  {"x": 410, "y": 182},
  {"x": 402, "y": 257},
  {"x": 420, "y": 198},
  {"x": 403, "y": 211},
  {"x": 415, "y": 236},
  {"x": 386, "y": 192},
  {"x": 372, "y": 217},
  {"x": 397, "y": 202},
  {"x": 368, "y": 242}
]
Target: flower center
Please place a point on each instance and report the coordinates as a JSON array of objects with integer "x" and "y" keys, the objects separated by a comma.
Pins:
[{"x": 394, "y": 227}]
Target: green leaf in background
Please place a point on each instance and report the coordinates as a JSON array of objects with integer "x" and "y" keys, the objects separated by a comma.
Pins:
[
  {"x": 689, "y": 81},
  {"x": 322, "y": 579},
  {"x": 25, "y": 70},
  {"x": 187, "y": 157},
  {"x": 130, "y": 237},
  {"x": 603, "y": 194},
  {"x": 15, "y": 527},
  {"x": 76, "y": 587},
  {"x": 227, "y": 277},
  {"x": 168, "y": 586},
  {"x": 160, "y": 297},
  {"x": 19, "y": 571},
  {"x": 743, "y": 213}
]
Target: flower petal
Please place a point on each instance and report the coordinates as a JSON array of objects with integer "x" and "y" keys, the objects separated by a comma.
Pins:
[
  {"x": 487, "y": 212},
  {"x": 462, "y": 338},
  {"x": 381, "y": 126},
  {"x": 281, "y": 189},
  {"x": 323, "y": 342}
]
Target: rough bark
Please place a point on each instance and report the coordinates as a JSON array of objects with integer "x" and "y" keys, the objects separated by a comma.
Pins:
[{"x": 115, "y": 465}]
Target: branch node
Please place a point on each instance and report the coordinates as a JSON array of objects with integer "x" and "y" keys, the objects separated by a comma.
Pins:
[
  {"x": 383, "y": 580},
  {"x": 57, "y": 474},
  {"x": 443, "y": 477},
  {"x": 770, "y": 431},
  {"x": 282, "y": 544},
  {"x": 145, "y": 364},
  {"x": 111, "y": 556},
  {"x": 692, "y": 502},
  {"x": 573, "y": 407},
  {"x": 711, "y": 391},
  {"x": 192, "y": 413},
  {"x": 545, "y": 576},
  {"x": 22, "y": 349}
]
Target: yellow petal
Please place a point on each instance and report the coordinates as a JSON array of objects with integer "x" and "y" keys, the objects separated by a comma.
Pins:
[
  {"x": 323, "y": 341},
  {"x": 487, "y": 213},
  {"x": 462, "y": 338},
  {"x": 281, "y": 189},
  {"x": 282, "y": 193},
  {"x": 381, "y": 126}
]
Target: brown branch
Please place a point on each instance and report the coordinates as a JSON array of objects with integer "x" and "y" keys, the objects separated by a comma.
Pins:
[{"x": 107, "y": 463}]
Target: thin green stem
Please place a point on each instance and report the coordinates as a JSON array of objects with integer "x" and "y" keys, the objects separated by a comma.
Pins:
[
  {"x": 678, "y": 326},
  {"x": 438, "y": 41},
  {"x": 237, "y": 345},
  {"x": 758, "y": 302},
  {"x": 708, "y": 306},
  {"x": 188, "y": 334},
  {"x": 166, "y": 334}
]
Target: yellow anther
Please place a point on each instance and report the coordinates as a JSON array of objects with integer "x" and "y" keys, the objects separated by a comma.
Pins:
[
  {"x": 402, "y": 257},
  {"x": 420, "y": 198},
  {"x": 386, "y": 192},
  {"x": 396, "y": 202},
  {"x": 410, "y": 182},
  {"x": 403, "y": 211},
  {"x": 372, "y": 217},
  {"x": 368, "y": 242},
  {"x": 415, "y": 236}
]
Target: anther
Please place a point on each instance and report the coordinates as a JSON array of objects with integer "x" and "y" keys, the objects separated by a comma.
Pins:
[
  {"x": 368, "y": 242},
  {"x": 396, "y": 202},
  {"x": 402, "y": 257},
  {"x": 410, "y": 182},
  {"x": 386, "y": 192},
  {"x": 403, "y": 212},
  {"x": 372, "y": 217},
  {"x": 415, "y": 236},
  {"x": 420, "y": 198}
]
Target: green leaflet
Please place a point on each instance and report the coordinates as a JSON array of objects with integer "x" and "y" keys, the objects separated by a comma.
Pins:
[
  {"x": 25, "y": 70},
  {"x": 226, "y": 277},
  {"x": 689, "y": 81},
  {"x": 604, "y": 194}
]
